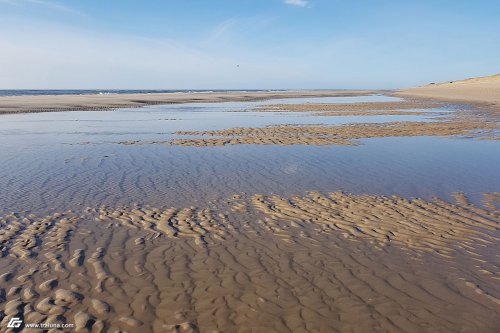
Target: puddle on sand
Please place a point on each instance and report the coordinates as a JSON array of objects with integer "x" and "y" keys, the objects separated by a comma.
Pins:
[
  {"x": 44, "y": 164},
  {"x": 180, "y": 263}
]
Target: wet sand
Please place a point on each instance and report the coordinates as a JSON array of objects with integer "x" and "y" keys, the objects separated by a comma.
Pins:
[
  {"x": 258, "y": 262},
  {"x": 463, "y": 124},
  {"x": 322, "y": 262},
  {"x": 334, "y": 135},
  {"x": 47, "y": 103},
  {"x": 351, "y": 107},
  {"x": 400, "y": 108}
]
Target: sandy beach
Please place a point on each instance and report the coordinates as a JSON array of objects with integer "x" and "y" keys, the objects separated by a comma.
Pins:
[
  {"x": 225, "y": 218},
  {"x": 54, "y": 103},
  {"x": 464, "y": 123},
  {"x": 484, "y": 90},
  {"x": 285, "y": 166}
]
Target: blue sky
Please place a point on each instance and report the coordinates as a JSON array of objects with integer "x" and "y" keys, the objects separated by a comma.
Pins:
[{"x": 238, "y": 44}]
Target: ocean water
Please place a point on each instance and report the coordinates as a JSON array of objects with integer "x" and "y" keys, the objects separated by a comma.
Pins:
[
  {"x": 67, "y": 160},
  {"x": 28, "y": 92}
]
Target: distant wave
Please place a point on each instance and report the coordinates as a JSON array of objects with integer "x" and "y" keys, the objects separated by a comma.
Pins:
[{"x": 34, "y": 92}]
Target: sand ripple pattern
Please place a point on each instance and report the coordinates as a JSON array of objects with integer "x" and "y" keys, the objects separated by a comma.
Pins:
[
  {"x": 463, "y": 123},
  {"x": 334, "y": 135},
  {"x": 314, "y": 263},
  {"x": 173, "y": 223},
  {"x": 400, "y": 108},
  {"x": 416, "y": 224},
  {"x": 351, "y": 107}
]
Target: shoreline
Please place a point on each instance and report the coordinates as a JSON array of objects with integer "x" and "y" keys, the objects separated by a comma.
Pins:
[
  {"x": 482, "y": 91},
  {"x": 91, "y": 102}
]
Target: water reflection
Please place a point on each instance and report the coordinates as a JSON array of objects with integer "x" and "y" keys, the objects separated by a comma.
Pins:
[{"x": 44, "y": 164}]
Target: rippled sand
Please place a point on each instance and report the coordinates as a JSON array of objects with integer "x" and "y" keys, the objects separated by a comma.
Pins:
[
  {"x": 316, "y": 262},
  {"x": 331, "y": 135},
  {"x": 466, "y": 123},
  {"x": 352, "y": 107},
  {"x": 321, "y": 262}
]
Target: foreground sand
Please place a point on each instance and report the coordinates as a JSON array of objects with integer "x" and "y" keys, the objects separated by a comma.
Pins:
[
  {"x": 483, "y": 90},
  {"x": 53, "y": 103},
  {"x": 318, "y": 263}
]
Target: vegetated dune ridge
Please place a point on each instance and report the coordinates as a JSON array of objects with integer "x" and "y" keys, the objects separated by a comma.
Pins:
[
  {"x": 315, "y": 263},
  {"x": 481, "y": 89},
  {"x": 54, "y": 103}
]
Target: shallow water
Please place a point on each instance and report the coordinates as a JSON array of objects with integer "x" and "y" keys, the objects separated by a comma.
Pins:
[
  {"x": 222, "y": 262},
  {"x": 71, "y": 159}
]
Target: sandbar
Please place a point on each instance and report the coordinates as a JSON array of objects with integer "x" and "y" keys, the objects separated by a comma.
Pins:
[{"x": 96, "y": 102}]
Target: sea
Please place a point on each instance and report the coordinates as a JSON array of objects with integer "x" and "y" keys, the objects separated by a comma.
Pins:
[{"x": 39, "y": 92}]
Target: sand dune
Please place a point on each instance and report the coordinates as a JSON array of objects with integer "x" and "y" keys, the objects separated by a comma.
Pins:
[
  {"x": 482, "y": 89},
  {"x": 312, "y": 263}
]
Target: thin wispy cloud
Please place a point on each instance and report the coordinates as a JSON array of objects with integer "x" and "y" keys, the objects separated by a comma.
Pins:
[
  {"x": 43, "y": 46},
  {"x": 51, "y": 5},
  {"x": 232, "y": 30},
  {"x": 53, "y": 56},
  {"x": 298, "y": 3},
  {"x": 221, "y": 31}
]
